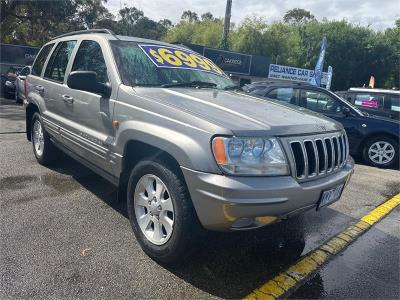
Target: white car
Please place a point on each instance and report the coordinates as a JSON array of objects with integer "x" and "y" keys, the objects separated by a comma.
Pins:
[{"x": 20, "y": 84}]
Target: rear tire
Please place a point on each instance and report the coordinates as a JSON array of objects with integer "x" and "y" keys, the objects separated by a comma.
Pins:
[
  {"x": 43, "y": 149},
  {"x": 381, "y": 152},
  {"x": 177, "y": 239}
]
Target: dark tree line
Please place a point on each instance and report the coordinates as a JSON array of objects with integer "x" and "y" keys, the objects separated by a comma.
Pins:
[{"x": 35, "y": 22}]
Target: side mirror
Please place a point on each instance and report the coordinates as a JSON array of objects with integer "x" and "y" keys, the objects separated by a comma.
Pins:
[
  {"x": 87, "y": 81},
  {"x": 346, "y": 111}
]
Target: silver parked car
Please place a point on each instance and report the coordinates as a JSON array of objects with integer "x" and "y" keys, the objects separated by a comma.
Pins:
[
  {"x": 185, "y": 148},
  {"x": 20, "y": 84}
]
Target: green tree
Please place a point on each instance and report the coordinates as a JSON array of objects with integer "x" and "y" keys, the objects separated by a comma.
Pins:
[
  {"x": 298, "y": 16},
  {"x": 205, "y": 32},
  {"x": 207, "y": 16},
  {"x": 35, "y": 22},
  {"x": 190, "y": 16}
]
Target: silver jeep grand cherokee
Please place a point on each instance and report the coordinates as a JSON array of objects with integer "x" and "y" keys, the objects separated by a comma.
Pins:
[{"x": 185, "y": 148}]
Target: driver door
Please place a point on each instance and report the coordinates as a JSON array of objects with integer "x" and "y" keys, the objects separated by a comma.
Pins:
[{"x": 89, "y": 129}]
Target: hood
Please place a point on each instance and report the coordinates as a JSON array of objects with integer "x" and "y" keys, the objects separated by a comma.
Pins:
[{"x": 243, "y": 114}]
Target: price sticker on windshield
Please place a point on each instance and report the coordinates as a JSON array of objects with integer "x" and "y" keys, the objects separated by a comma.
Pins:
[{"x": 179, "y": 58}]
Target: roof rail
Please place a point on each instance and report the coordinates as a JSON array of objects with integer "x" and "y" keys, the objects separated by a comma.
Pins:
[{"x": 108, "y": 31}]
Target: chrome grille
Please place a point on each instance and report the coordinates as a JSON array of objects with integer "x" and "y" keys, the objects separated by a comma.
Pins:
[{"x": 318, "y": 155}]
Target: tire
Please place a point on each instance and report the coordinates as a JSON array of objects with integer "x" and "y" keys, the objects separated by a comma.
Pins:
[
  {"x": 172, "y": 246},
  {"x": 381, "y": 152},
  {"x": 43, "y": 149}
]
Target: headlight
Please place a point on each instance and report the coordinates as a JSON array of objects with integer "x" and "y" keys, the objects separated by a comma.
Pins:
[
  {"x": 250, "y": 156},
  {"x": 9, "y": 83}
]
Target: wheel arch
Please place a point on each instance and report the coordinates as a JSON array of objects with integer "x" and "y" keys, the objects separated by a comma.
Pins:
[
  {"x": 136, "y": 151},
  {"x": 373, "y": 135}
]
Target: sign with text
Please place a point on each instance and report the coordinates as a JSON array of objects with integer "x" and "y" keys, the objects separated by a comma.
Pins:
[
  {"x": 231, "y": 62},
  {"x": 294, "y": 74},
  {"x": 179, "y": 58}
]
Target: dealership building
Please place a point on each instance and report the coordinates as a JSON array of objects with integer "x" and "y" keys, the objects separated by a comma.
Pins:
[
  {"x": 16, "y": 56},
  {"x": 241, "y": 67}
]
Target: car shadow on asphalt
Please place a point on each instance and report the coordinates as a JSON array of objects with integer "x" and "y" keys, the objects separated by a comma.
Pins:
[{"x": 227, "y": 265}]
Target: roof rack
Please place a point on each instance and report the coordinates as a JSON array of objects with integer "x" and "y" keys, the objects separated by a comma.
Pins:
[
  {"x": 108, "y": 31},
  {"x": 281, "y": 82}
]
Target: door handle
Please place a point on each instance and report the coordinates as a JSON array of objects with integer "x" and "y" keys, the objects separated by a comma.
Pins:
[
  {"x": 39, "y": 88},
  {"x": 68, "y": 99}
]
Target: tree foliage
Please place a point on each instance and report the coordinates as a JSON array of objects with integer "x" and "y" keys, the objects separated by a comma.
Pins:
[
  {"x": 298, "y": 16},
  {"x": 35, "y": 22}
]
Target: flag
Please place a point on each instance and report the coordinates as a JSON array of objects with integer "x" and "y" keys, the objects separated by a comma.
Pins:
[
  {"x": 316, "y": 80},
  {"x": 329, "y": 79}
]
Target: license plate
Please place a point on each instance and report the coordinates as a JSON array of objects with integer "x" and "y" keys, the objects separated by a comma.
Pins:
[{"x": 330, "y": 195}]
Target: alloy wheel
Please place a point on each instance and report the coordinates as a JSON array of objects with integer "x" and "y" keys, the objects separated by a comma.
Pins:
[
  {"x": 381, "y": 152},
  {"x": 154, "y": 209},
  {"x": 38, "y": 137}
]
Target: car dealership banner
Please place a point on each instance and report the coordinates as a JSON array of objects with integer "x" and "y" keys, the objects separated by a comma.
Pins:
[{"x": 294, "y": 74}]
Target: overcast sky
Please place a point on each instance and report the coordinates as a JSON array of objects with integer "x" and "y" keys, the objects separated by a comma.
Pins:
[{"x": 380, "y": 14}]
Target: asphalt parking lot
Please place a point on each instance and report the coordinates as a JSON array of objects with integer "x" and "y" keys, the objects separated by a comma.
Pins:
[{"x": 64, "y": 235}]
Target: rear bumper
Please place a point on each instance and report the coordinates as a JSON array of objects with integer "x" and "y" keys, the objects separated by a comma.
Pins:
[{"x": 227, "y": 203}]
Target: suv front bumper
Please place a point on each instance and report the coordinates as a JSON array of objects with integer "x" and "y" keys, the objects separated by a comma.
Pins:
[{"x": 226, "y": 203}]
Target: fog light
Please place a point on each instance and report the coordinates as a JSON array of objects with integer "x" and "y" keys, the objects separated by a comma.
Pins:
[
  {"x": 266, "y": 220},
  {"x": 243, "y": 222}
]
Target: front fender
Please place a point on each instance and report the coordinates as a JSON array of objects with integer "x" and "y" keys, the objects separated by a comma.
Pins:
[{"x": 190, "y": 150}]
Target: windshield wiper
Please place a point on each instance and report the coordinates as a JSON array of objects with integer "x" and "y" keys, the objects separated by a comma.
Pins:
[
  {"x": 194, "y": 83},
  {"x": 146, "y": 84},
  {"x": 233, "y": 87}
]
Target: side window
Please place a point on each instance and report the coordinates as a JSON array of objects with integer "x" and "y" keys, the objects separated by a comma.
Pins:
[
  {"x": 41, "y": 58},
  {"x": 319, "y": 101},
  {"x": 59, "y": 60},
  {"x": 395, "y": 103},
  {"x": 24, "y": 71},
  {"x": 258, "y": 92},
  {"x": 90, "y": 58},
  {"x": 369, "y": 100},
  {"x": 287, "y": 95}
]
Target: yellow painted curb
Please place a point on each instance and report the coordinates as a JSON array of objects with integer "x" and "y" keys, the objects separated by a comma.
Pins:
[{"x": 309, "y": 263}]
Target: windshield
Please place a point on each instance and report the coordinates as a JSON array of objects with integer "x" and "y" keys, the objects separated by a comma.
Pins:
[{"x": 165, "y": 66}]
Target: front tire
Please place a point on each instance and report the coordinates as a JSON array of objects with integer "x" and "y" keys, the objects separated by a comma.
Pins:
[
  {"x": 160, "y": 211},
  {"x": 43, "y": 149},
  {"x": 381, "y": 152}
]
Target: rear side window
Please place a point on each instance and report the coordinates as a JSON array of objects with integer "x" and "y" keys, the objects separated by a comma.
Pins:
[
  {"x": 41, "y": 58},
  {"x": 90, "y": 58},
  {"x": 394, "y": 103},
  {"x": 24, "y": 71},
  {"x": 369, "y": 100},
  {"x": 287, "y": 95},
  {"x": 59, "y": 60}
]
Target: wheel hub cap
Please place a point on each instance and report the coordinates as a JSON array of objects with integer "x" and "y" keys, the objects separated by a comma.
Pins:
[
  {"x": 154, "y": 210},
  {"x": 38, "y": 137},
  {"x": 381, "y": 152}
]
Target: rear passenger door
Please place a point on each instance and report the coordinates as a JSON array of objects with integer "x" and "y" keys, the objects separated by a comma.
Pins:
[
  {"x": 89, "y": 131},
  {"x": 54, "y": 87}
]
